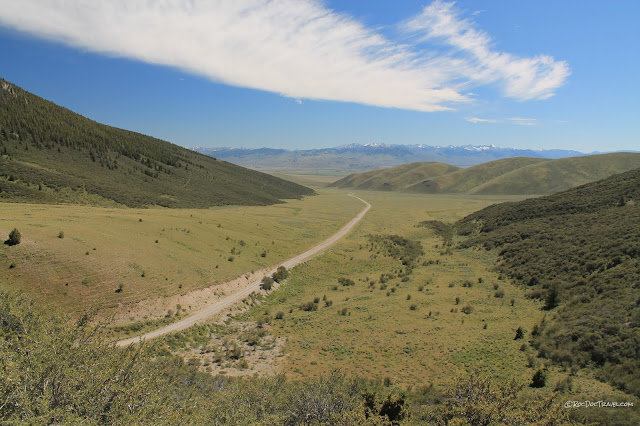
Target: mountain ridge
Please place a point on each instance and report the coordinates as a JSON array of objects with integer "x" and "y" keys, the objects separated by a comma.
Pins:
[{"x": 50, "y": 154}]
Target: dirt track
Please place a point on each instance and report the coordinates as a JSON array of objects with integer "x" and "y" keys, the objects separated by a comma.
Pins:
[{"x": 252, "y": 286}]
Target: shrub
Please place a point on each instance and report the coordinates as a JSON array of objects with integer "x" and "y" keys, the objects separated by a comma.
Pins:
[
  {"x": 61, "y": 234},
  {"x": 467, "y": 309},
  {"x": 519, "y": 333},
  {"x": 467, "y": 283},
  {"x": 267, "y": 283},
  {"x": 457, "y": 300},
  {"x": 346, "y": 281},
  {"x": 281, "y": 274},
  {"x": 539, "y": 379},
  {"x": 413, "y": 307},
  {"x": 309, "y": 306},
  {"x": 499, "y": 294},
  {"x": 279, "y": 315},
  {"x": 14, "y": 238},
  {"x": 120, "y": 288}
]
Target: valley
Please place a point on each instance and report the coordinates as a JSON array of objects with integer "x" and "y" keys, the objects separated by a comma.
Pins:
[{"x": 402, "y": 287}]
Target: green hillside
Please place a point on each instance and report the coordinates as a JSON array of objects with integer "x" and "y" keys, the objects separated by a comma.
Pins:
[
  {"x": 508, "y": 176},
  {"x": 464, "y": 180},
  {"x": 558, "y": 175},
  {"x": 394, "y": 178},
  {"x": 579, "y": 253},
  {"x": 49, "y": 154}
]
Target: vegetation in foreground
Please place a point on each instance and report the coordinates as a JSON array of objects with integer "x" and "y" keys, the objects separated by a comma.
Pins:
[
  {"x": 56, "y": 372},
  {"x": 49, "y": 154}
]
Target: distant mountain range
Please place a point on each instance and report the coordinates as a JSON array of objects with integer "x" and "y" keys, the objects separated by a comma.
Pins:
[
  {"x": 356, "y": 157},
  {"x": 508, "y": 176}
]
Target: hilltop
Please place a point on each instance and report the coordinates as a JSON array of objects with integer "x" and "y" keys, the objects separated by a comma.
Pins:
[
  {"x": 578, "y": 252},
  {"x": 509, "y": 176},
  {"x": 49, "y": 154}
]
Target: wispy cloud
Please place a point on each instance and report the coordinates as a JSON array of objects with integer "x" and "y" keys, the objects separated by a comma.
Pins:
[
  {"x": 475, "y": 120},
  {"x": 521, "y": 78},
  {"x": 524, "y": 121},
  {"x": 297, "y": 48}
]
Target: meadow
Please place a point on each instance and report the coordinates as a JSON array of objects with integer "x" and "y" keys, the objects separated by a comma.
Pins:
[
  {"x": 78, "y": 257},
  {"x": 364, "y": 307}
]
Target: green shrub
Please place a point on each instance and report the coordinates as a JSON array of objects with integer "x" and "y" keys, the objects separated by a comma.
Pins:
[
  {"x": 267, "y": 283},
  {"x": 539, "y": 379},
  {"x": 280, "y": 275},
  {"x": 14, "y": 238}
]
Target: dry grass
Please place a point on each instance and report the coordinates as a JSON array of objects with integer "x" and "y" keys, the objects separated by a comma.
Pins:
[{"x": 154, "y": 252}]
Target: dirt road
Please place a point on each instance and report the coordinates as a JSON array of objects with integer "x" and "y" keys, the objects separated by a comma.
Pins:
[{"x": 252, "y": 286}]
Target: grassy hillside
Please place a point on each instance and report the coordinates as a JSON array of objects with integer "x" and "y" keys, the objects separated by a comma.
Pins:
[
  {"x": 579, "y": 252},
  {"x": 558, "y": 175},
  {"x": 49, "y": 154},
  {"x": 395, "y": 178},
  {"x": 464, "y": 180},
  {"x": 509, "y": 176}
]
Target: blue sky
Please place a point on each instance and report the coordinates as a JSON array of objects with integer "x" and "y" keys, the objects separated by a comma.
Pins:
[{"x": 310, "y": 74}]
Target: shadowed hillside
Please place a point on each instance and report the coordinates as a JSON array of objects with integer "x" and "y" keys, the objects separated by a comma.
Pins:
[
  {"x": 509, "y": 176},
  {"x": 579, "y": 252},
  {"x": 49, "y": 154}
]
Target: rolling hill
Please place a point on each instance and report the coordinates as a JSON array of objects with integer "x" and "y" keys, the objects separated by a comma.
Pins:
[
  {"x": 579, "y": 252},
  {"x": 395, "y": 178},
  {"x": 49, "y": 154},
  {"x": 509, "y": 176}
]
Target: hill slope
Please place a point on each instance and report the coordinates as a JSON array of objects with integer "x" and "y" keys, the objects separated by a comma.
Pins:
[
  {"x": 51, "y": 154},
  {"x": 558, "y": 175},
  {"x": 464, "y": 180},
  {"x": 578, "y": 251},
  {"x": 395, "y": 178},
  {"x": 509, "y": 176}
]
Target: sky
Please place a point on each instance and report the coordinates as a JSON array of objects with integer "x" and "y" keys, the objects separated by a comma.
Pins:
[{"x": 304, "y": 74}]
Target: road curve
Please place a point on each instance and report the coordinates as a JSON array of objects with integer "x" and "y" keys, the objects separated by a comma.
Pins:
[{"x": 237, "y": 296}]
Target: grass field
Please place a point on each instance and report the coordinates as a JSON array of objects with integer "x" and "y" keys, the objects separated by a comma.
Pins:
[
  {"x": 409, "y": 329},
  {"x": 154, "y": 252}
]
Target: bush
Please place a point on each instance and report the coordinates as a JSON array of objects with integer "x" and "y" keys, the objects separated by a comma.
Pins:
[
  {"x": 346, "y": 281},
  {"x": 61, "y": 234},
  {"x": 279, "y": 315},
  {"x": 499, "y": 294},
  {"x": 309, "y": 306},
  {"x": 281, "y": 274},
  {"x": 267, "y": 283},
  {"x": 539, "y": 379},
  {"x": 14, "y": 238},
  {"x": 519, "y": 333},
  {"x": 467, "y": 309}
]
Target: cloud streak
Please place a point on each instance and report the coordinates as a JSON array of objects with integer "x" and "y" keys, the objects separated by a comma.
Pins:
[
  {"x": 476, "y": 120},
  {"x": 297, "y": 48}
]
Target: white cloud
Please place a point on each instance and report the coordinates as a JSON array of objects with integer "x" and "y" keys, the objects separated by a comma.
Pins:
[
  {"x": 475, "y": 120},
  {"x": 521, "y": 78},
  {"x": 523, "y": 121},
  {"x": 297, "y": 48}
]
